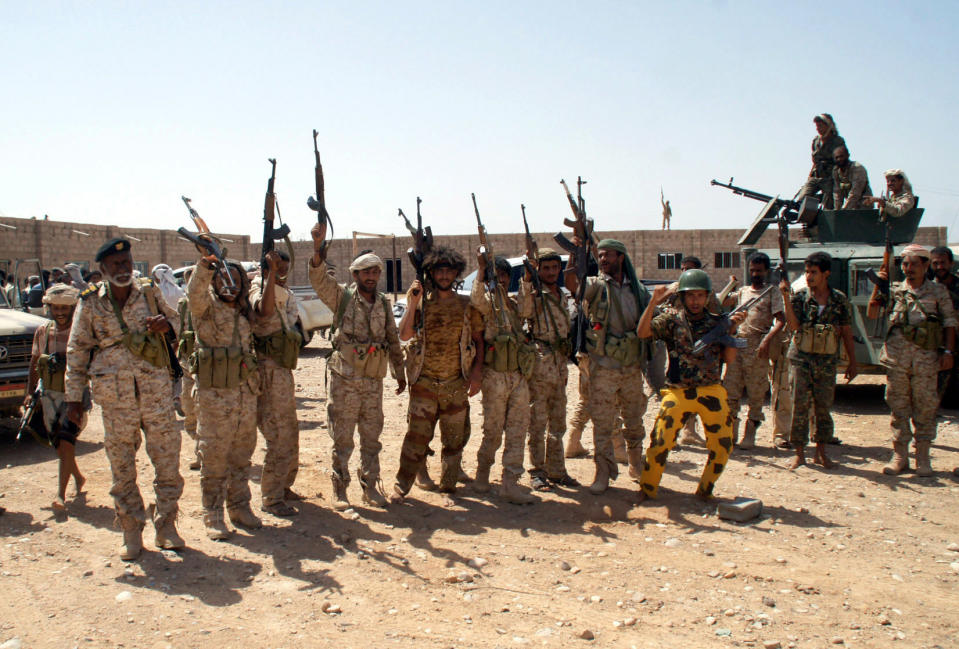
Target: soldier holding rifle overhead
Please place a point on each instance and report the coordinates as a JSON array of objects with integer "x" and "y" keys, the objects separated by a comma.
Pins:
[{"x": 365, "y": 344}]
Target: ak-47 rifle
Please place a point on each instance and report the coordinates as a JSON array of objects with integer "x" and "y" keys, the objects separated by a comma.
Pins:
[
  {"x": 271, "y": 234},
  {"x": 318, "y": 203},
  {"x": 205, "y": 241},
  {"x": 422, "y": 241},
  {"x": 495, "y": 292},
  {"x": 28, "y": 412},
  {"x": 531, "y": 263},
  {"x": 580, "y": 256},
  {"x": 783, "y": 249},
  {"x": 720, "y": 331},
  {"x": 881, "y": 286}
]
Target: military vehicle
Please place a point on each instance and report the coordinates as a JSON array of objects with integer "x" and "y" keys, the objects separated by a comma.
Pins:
[{"x": 856, "y": 241}]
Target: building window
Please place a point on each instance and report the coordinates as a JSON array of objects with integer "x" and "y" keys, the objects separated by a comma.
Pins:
[
  {"x": 669, "y": 260},
  {"x": 727, "y": 260}
]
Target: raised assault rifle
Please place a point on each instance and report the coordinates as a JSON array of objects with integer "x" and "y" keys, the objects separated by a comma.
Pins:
[
  {"x": 422, "y": 241},
  {"x": 205, "y": 241},
  {"x": 271, "y": 234},
  {"x": 880, "y": 286},
  {"x": 318, "y": 203},
  {"x": 580, "y": 255},
  {"x": 492, "y": 286}
]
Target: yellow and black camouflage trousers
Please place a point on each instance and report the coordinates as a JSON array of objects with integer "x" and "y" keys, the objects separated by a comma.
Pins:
[
  {"x": 678, "y": 405},
  {"x": 276, "y": 418}
]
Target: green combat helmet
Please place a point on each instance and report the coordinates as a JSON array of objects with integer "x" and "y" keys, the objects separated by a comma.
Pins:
[{"x": 695, "y": 279}]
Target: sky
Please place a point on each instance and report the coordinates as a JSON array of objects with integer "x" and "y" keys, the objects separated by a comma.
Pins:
[{"x": 113, "y": 110}]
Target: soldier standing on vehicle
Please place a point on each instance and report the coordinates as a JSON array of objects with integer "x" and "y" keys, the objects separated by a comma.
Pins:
[
  {"x": 900, "y": 198},
  {"x": 48, "y": 363},
  {"x": 117, "y": 345},
  {"x": 277, "y": 344},
  {"x": 549, "y": 328},
  {"x": 227, "y": 387},
  {"x": 613, "y": 302},
  {"x": 444, "y": 365},
  {"x": 920, "y": 343},
  {"x": 819, "y": 316},
  {"x": 749, "y": 371},
  {"x": 509, "y": 361},
  {"x": 694, "y": 384},
  {"x": 850, "y": 182},
  {"x": 824, "y": 145},
  {"x": 365, "y": 343}
]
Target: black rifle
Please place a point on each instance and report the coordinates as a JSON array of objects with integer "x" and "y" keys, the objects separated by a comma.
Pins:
[
  {"x": 422, "y": 241},
  {"x": 492, "y": 286},
  {"x": 318, "y": 203},
  {"x": 271, "y": 234},
  {"x": 208, "y": 244},
  {"x": 29, "y": 411},
  {"x": 532, "y": 257},
  {"x": 581, "y": 257},
  {"x": 720, "y": 332}
]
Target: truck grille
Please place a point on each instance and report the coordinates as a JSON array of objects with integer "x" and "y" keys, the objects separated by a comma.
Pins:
[{"x": 18, "y": 350}]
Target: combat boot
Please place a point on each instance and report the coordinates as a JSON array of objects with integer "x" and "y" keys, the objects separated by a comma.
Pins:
[
  {"x": 481, "y": 483},
  {"x": 899, "y": 461},
  {"x": 243, "y": 516},
  {"x": 216, "y": 528},
  {"x": 923, "y": 463},
  {"x": 636, "y": 461},
  {"x": 340, "y": 501},
  {"x": 132, "y": 538},
  {"x": 167, "y": 537},
  {"x": 372, "y": 495},
  {"x": 601, "y": 480},
  {"x": 749, "y": 434},
  {"x": 511, "y": 492},
  {"x": 689, "y": 436}
]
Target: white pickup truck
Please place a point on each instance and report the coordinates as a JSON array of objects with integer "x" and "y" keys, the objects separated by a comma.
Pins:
[{"x": 314, "y": 315}]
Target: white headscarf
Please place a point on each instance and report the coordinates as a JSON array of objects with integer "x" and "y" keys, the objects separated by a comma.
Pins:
[
  {"x": 906, "y": 185},
  {"x": 164, "y": 279}
]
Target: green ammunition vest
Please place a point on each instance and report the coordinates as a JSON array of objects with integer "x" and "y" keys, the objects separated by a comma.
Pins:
[{"x": 222, "y": 367}]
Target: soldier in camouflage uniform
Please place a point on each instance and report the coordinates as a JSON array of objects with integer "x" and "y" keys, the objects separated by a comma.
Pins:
[
  {"x": 749, "y": 371},
  {"x": 365, "y": 341},
  {"x": 277, "y": 344},
  {"x": 920, "y": 342},
  {"x": 185, "y": 344},
  {"x": 227, "y": 385},
  {"x": 850, "y": 183},
  {"x": 549, "y": 329},
  {"x": 941, "y": 265},
  {"x": 694, "y": 385},
  {"x": 117, "y": 345},
  {"x": 505, "y": 388},
  {"x": 574, "y": 445},
  {"x": 899, "y": 199},
  {"x": 444, "y": 365},
  {"x": 819, "y": 318},
  {"x": 613, "y": 302},
  {"x": 824, "y": 145}
]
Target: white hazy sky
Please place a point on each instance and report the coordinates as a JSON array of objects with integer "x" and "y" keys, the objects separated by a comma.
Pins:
[{"x": 111, "y": 110}]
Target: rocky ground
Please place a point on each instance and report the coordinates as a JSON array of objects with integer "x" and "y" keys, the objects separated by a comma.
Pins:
[{"x": 846, "y": 557}]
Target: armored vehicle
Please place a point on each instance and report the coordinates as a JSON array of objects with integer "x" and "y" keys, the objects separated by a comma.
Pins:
[{"x": 856, "y": 241}]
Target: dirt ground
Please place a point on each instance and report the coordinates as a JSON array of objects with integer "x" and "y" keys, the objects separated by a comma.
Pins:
[{"x": 845, "y": 557}]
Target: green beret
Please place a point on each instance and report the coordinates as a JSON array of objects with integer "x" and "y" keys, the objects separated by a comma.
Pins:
[
  {"x": 547, "y": 254},
  {"x": 113, "y": 246},
  {"x": 612, "y": 244}
]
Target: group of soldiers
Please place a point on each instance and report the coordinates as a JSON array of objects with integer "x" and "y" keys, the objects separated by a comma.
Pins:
[{"x": 233, "y": 338}]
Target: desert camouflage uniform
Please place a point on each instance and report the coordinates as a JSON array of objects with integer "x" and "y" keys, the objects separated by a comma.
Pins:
[
  {"x": 814, "y": 375},
  {"x": 850, "y": 187},
  {"x": 356, "y": 402},
  {"x": 899, "y": 204},
  {"x": 226, "y": 417},
  {"x": 438, "y": 362},
  {"x": 694, "y": 387},
  {"x": 188, "y": 384},
  {"x": 505, "y": 394},
  {"x": 911, "y": 371},
  {"x": 133, "y": 395},
  {"x": 613, "y": 388},
  {"x": 781, "y": 395},
  {"x": 549, "y": 328},
  {"x": 276, "y": 404},
  {"x": 749, "y": 372}
]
